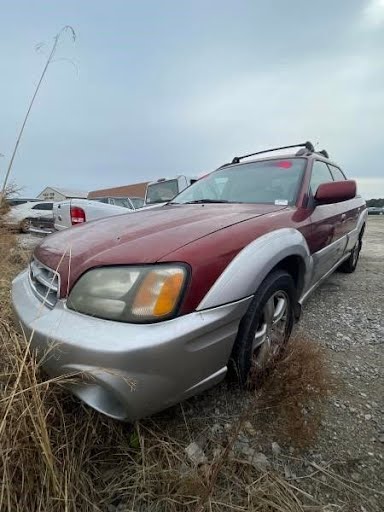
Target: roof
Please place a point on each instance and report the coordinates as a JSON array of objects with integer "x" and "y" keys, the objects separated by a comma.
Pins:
[
  {"x": 307, "y": 150},
  {"x": 134, "y": 190},
  {"x": 307, "y": 156},
  {"x": 68, "y": 192}
]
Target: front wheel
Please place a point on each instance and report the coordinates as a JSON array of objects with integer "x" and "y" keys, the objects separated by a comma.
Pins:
[
  {"x": 265, "y": 328},
  {"x": 25, "y": 225},
  {"x": 350, "y": 264}
]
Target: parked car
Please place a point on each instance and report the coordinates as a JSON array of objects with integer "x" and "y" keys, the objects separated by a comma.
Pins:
[
  {"x": 42, "y": 225},
  {"x": 158, "y": 306},
  {"x": 165, "y": 189},
  {"x": 14, "y": 201},
  {"x": 21, "y": 216},
  {"x": 77, "y": 211},
  {"x": 376, "y": 210}
]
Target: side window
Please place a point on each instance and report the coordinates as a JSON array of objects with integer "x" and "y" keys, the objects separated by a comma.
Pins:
[
  {"x": 336, "y": 173},
  {"x": 43, "y": 206},
  {"x": 320, "y": 174}
]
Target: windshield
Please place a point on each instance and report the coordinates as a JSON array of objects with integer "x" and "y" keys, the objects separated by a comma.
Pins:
[
  {"x": 137, "y": 202},
  {"x": 116, "y": 201},
  {"x": 121, "y": 201},
  {"x": 269, "y": 181},
  {"x": 162, "y": 191}
]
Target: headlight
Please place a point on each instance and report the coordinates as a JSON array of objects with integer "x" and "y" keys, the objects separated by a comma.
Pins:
[{"x": 129, "y": 294}]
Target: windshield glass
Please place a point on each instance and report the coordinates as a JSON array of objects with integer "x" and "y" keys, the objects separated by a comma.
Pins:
[
  {"x": 116, "y": 201},
  {"x": 161, "y": 192},
  {"x": 121, "y": 201},
  {"x": 270, "y": 182},
  {"x": 137, "y": 202}
]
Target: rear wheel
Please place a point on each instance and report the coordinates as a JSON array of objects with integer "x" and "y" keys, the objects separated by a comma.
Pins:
[
  {"x": 265, "y": 328},
  {"x": 349, "y": 265}
]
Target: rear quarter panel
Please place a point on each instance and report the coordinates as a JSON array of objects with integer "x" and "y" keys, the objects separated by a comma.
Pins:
[
  {"x": 94, "y": 210},
  {"x": 61, "y": 215}
]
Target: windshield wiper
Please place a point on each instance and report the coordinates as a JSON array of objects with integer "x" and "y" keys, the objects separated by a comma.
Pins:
[{"x": 197, "y": 201}]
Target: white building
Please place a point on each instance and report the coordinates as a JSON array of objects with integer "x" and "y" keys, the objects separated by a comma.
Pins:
[{"x": 61, "y": 194}]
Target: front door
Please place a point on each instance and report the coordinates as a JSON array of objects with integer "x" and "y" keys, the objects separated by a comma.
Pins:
[{"x": 325, "y": 241}]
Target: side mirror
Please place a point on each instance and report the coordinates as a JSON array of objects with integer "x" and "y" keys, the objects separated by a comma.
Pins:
[{"x": 335, "y": 192}]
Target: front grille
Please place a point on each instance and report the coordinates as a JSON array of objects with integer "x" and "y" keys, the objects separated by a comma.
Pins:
[{"x": 45, "y": 283}]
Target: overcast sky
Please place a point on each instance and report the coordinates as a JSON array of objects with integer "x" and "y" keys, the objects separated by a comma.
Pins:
[{"x": 167, "y": 87}]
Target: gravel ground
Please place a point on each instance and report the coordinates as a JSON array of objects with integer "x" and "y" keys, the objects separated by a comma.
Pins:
[
  {"x": 346, "y": 316},
  {"x": 344, "y": 468}
]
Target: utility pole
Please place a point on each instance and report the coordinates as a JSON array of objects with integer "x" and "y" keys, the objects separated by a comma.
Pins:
[{"x": 56, "y": 39}]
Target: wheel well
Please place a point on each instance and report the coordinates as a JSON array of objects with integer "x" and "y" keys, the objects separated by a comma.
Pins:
[{"x": 295, "y": 266}]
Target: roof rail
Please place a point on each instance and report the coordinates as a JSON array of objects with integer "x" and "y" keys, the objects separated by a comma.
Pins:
[{"x": 308, "y": 145}]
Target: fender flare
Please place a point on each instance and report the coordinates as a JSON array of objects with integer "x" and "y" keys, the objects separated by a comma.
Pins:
[
  {"x": 362, "y": 220},
  {"x": 354, "y": 235},
  {"x": 253, "y": 263}
]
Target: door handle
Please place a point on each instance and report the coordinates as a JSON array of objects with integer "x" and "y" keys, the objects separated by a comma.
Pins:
[{"x": 343, "y": 217}]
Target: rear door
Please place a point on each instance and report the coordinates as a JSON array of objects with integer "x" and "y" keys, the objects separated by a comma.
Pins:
[
  {"x": 325, "y": 220},
  {"x": 349, "y": 210},
  {"x": 43, "y": 209}
]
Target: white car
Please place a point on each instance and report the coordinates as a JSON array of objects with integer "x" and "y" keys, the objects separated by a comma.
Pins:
[
  {"x": 22, "y": 215},
  {"x": 77, "y": 211}
]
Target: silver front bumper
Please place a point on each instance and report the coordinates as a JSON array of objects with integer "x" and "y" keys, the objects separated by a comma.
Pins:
[{"x": 166, "y": 362}]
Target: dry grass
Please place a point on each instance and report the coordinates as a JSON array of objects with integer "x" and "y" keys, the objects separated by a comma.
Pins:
[
  {"x": 4, "y": 207},
  {"x": 295, "y": 390},
  {"x": 58, "y": 455}
]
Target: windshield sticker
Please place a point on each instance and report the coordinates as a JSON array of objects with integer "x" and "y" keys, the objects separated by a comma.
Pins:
[
  {"x": 284, "y": 164},
  {"x": 281, "y": 202}
]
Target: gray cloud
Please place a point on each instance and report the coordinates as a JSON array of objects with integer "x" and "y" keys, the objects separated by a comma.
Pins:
[{"x": 174, "y": 86}]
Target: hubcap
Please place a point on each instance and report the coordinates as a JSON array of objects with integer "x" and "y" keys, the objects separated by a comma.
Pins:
[
  {"x": 26, "y": 224},
  {"x": 271, "y": 331}
]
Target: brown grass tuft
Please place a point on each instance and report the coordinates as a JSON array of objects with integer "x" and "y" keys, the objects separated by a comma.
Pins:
[{"x": 295, "y": 391}]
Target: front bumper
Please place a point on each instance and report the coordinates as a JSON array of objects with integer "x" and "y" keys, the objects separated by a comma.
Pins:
[{"x": 166, "y": 362}]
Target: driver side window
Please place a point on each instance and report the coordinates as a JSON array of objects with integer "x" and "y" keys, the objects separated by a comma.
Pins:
[{"x": 320, "y": 174}]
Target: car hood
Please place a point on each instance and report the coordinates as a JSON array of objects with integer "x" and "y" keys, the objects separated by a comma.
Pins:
[{"x": 142, "y": 237}]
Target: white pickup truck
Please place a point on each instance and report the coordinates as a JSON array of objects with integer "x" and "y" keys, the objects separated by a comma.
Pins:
[
  {"x": 77, "y": 211},
  {"x": 165, "y": 189}
]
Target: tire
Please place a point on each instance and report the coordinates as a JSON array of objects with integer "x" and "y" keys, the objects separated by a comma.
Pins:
[
  {"x": 251, "y": 356},
  {"x": 349, "y": 265},
  {"x": 25, "y": 224}
]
